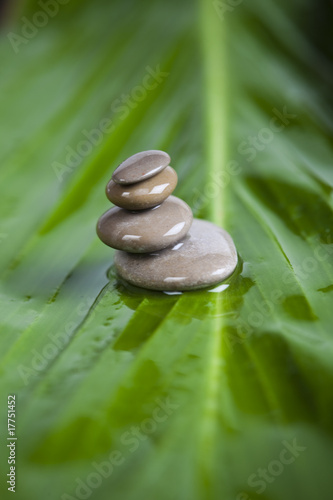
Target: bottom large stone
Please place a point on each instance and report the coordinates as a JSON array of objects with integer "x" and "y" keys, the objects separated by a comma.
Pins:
[{"x": 206, "y": 256}]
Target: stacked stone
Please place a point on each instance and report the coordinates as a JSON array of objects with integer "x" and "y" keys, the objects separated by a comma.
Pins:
[
  {"x": 146, "y": 217},
  {"x": 158, "y": 246}
]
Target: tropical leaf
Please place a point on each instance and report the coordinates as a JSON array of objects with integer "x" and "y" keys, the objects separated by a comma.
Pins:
[{"x": 128, "y": 394}]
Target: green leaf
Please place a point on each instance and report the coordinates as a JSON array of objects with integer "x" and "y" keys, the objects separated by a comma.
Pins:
[{"x": 129, "y": 394}]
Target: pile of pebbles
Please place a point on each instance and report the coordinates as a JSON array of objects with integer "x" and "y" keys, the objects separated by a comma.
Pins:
[{"x": 159, "y": 244}]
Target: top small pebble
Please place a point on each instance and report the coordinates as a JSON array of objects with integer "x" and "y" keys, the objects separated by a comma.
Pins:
[{"x": 141, "y": 166}]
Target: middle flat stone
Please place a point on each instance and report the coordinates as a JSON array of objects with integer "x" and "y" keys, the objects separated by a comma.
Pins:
[
  {"x": 144, "y": 194},
  {"x": 145, "y": 230}
]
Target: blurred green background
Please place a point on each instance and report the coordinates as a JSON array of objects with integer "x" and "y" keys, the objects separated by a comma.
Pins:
[{"x": 127, "y": 394}]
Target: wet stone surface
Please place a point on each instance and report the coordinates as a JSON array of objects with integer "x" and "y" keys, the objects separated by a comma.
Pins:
[
  {"x": 144, "y": 194},
  {"x": 204, "y": 257},
  {"x": 141, "y": 166},
  {"x": 145, "y": 230}
]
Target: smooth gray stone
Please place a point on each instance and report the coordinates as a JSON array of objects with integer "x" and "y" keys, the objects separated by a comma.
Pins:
[
  {"x": 144, "y": 194},
  {"x": 206, "y": 256},
  {"x": 145, "y": 230},
  {"x": 141, "y": 166}
]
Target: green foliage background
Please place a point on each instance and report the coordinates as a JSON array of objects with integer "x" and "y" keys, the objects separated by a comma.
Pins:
[{"x": 88, "y": 358}]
